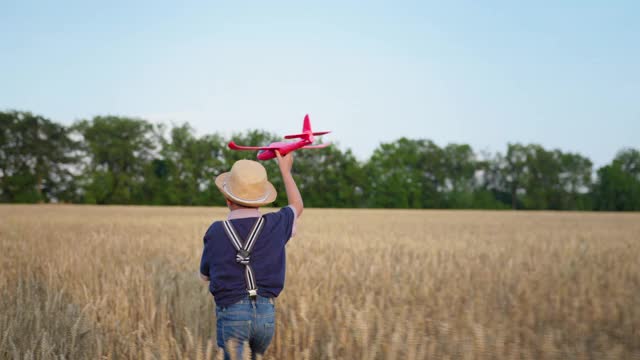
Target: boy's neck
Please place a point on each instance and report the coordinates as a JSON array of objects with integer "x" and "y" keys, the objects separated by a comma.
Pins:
[
  {"x": 239, "y": 212},
  {"x": 233, "y": 206}
]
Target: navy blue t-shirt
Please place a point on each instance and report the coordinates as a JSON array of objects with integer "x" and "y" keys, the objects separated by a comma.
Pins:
[{"x": 227, "y": 281}]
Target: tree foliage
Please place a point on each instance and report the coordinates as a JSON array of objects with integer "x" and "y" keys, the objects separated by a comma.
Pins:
[
  {"x": 121, "y": 160},
  {"x": 618, "y": 184},
  {"x": 115, "y": 152},
  {"x": 35, "y": 155}
]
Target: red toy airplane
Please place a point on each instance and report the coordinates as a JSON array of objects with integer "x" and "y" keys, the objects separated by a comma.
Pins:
[{"x": 269, "y": 152}]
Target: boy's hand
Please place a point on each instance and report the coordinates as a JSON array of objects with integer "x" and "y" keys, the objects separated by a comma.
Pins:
[
  {"x": 293, "y": 194},
  {"x": 285, "y": 162}
]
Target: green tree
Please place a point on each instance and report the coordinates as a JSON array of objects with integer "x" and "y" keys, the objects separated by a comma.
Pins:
[
  {"x": 542, "y": 178},
  {"x": 618, "y": 184},
  {"x": 531, "y": 177},
  {"x": 505, "y": 176},
  {"x": 36, "y": 158},
  {"x": 556, "y": 180},
  {"x": 575, "y": 180},
  {"x": 330, "y": 178},
  {"x": 490, "y": 190},
  {"x": 459, "y": 173},
  {"x": 406, "y": 174},
  {"x": 117, "y": 151},
  {"x": 189, "y": 165},
  {"x": 515, "y": 171},
  {"x": 629, "y": 161},
  {"x": 128, "y": 161}
]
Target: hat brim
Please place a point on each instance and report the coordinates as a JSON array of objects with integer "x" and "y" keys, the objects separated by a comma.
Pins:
[{"x": 267, "y": 198}]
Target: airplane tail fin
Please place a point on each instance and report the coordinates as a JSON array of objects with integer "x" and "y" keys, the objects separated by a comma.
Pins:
[
  {"x": 306, "y": 124},
  {"x": 306, "y": 131}
]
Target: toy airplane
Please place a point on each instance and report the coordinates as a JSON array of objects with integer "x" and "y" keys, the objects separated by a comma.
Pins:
[{"x": 269, "y": 152}]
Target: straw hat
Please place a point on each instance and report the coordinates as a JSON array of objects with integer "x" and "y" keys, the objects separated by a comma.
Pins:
[{"x": 246, "y": 184}]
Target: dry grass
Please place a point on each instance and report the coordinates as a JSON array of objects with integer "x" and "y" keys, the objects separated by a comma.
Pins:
[{"x": 120, "y": 282}]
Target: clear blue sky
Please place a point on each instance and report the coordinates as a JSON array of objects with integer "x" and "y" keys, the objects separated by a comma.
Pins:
[{"x": 565, "y": 74}]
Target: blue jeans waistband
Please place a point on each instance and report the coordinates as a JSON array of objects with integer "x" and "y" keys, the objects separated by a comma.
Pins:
[
  {"x": 259, "y": 300},
  {"x": 246, "y": 300}
]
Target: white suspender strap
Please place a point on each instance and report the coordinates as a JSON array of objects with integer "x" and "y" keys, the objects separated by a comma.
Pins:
[
  {"x": 232, "y": 235},
  {"x": 253, "y": 234},
  {"x": 244, "y": 250}
]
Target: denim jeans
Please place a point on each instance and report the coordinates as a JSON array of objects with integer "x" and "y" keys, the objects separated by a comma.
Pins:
[{"x": 250, "y": 321}]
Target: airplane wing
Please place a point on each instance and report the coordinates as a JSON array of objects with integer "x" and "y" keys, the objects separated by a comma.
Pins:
[
  {"x": 320, "y": 146},
  {"x": 296, "y": 136},
  {"x": 234, "y": 146}
]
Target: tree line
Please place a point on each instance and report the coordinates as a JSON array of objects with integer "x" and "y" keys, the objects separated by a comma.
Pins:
[{"x": 122, "y": 160}]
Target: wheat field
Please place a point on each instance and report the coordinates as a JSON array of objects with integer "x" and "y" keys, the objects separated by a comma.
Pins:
[{"x": 85, "y": 282}]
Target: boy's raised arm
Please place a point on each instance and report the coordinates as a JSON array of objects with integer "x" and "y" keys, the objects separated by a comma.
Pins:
[{"x": 293, "y": 194}]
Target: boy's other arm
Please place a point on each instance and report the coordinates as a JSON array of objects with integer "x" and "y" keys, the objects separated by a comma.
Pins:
[
  {"x": 293, "y": 194},
  {"x": 204, "y": 265}
]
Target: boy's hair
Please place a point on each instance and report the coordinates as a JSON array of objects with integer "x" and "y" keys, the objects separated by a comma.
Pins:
[{"x": 240, "y": 205}]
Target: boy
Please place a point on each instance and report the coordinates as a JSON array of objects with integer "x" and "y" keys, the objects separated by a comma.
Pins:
[{"x": 244, "y": 257}]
